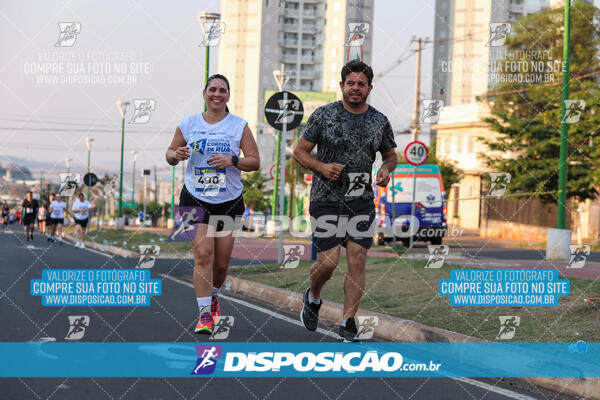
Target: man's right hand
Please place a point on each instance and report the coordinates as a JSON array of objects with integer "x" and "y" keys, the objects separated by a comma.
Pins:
[
  {"x": 182, "y": 153},
  {"x": 331, "y": 171}
]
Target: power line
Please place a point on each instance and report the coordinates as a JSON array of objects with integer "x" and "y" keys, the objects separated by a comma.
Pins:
[
  {"x": 28, "y": 146},
  {"x": 82, "y": 130}
]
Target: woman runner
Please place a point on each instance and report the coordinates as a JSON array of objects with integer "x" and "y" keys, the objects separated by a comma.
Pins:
[{"x": 211, "y": 142}]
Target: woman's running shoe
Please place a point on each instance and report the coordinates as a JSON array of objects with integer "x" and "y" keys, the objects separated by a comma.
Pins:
[{"x": 205, "y": 323}]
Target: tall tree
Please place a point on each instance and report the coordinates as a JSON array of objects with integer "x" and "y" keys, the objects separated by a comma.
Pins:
[
  {"x": 255, "y": 193},
  {"x": 527, "y": 115}
]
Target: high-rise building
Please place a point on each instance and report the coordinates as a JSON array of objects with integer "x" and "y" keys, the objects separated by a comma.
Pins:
[{"x": 308, "y": 37}]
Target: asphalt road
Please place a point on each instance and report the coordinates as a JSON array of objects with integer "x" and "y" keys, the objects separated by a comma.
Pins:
[{"x": 171, "y": 318}]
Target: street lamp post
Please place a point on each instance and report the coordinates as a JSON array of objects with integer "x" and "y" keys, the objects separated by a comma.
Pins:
[
  {"x": 123, "y": 109},
  {"x": 205, "y": 17},
  {"x": 559, "y": 240},
  {"x": 88, "y": 143},
  {"x": 134, "y": 154}
]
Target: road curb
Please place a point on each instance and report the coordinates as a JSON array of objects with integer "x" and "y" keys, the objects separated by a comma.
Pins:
[{"x": 391, "y": 328}]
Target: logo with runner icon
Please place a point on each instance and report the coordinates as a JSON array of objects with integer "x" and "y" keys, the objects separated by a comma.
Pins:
[
  {"x": 365, "y": 326},
  {"x": 142, "y": 109},
  {"x": 508, "y": 327},
  {"x": 573, "y": 110},
  {"x": 357, "y": 32},
  {"x": 437, "y": 255},
  {"x": 211, "y": 32},
  {"x": 148, "y": 255},
  {"x": 77, "y": 326},
  {"x": 184, "y": 226},
  {"x": 68, "y": 33},
  {"x": 431, "y": 111},
  {"x": 198, "y": 145},
  {"x": 498, "y": 183},
  {"x": 69, "y": 181},
  {"x": 358, "y": 183},
  {"x": 499, "y": 31},
  {"x": 292, "y": 254},
  {"x": 579, "y": 254},
  {"x": 222, "y": 327},
  {"x": 207, "y": 359}
]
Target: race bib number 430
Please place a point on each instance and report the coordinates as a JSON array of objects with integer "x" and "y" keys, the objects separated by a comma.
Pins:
[{"x": 210, "y": 181}]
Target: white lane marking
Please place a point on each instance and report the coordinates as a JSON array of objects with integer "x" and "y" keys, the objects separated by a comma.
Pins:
[
  {"x": 257, "y": 308},
  {"x": 483, "y": 385},
  {"x": 499, "y": 390}
]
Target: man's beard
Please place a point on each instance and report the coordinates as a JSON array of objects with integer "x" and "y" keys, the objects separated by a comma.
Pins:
[{"x": 360, "y": 102}]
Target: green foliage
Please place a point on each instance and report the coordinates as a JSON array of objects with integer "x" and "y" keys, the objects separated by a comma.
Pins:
[
  {"x": 255, "y": 193},
  {"x": 154, "y": 209},
  {"x": 529, "y": 121}
]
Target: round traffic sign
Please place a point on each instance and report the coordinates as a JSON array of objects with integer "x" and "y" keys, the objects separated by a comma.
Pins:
[
  {"x": 90, "y": 179},
  {"x": 284, "y": 108},
  {"x": 416, "y": 153},
  {"x": 272, "y": 171}
]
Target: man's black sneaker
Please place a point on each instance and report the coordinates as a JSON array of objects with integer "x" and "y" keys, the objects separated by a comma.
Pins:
[
  {"x": 310, "y": 313},
  {"x": 348, "y": 332}
]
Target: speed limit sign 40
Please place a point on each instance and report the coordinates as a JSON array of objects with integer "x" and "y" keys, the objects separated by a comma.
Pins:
[{"x": 416, "y": 153}]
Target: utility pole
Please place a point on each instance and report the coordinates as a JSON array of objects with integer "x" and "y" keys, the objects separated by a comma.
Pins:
[
  {"x": 155, "y": 184},
  {"x": 415, "y": 118},
  {"x": 564, "y": 127},
  {"x": 293, "y": 177}
]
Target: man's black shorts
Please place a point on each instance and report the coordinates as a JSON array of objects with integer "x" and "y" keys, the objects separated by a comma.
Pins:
[
  {"x": 233, "y": 208},
  {"x": 28, "y": 219},
  {"x": 82, "y": 222},
  {"x": 56, "y": 221},
  {"x": 352, "y": 220}
]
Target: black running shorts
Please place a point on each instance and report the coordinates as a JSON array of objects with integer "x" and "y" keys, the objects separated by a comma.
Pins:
[
  {"x": 334, "y": 223},
  {"x": 28, "y": 219},
  {"x": 82, "y": 222},
  {"x": 233, "y": 208}
]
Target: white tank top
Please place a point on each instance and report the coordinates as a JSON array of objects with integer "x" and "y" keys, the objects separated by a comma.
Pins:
[{"x": 223, "y": 138}]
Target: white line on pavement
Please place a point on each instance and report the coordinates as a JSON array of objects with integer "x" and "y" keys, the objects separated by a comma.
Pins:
[
  {"x": 495, "y": 389},
  {"x": 483, "y": 385}
]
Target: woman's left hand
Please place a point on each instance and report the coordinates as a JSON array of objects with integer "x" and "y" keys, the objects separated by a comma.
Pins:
[{"x": 220, "y": 161}]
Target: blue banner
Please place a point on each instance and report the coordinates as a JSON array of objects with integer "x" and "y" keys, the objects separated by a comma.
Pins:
[
  {"x": 504, "y": 287},
  {"x": 223, "y": 359},
  {"x": 95, "y": 287}
]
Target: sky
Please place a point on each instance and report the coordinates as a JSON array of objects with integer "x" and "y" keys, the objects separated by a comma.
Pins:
[{"x": 131, "y": 50}]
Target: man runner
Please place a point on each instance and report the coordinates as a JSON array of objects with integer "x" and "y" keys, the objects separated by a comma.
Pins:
[
  {"x": 29, "y": 207},
  {"x": 348, "y": 134}
]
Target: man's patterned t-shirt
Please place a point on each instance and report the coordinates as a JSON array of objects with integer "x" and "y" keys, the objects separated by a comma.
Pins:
[{"x": 350, "y": 139}]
